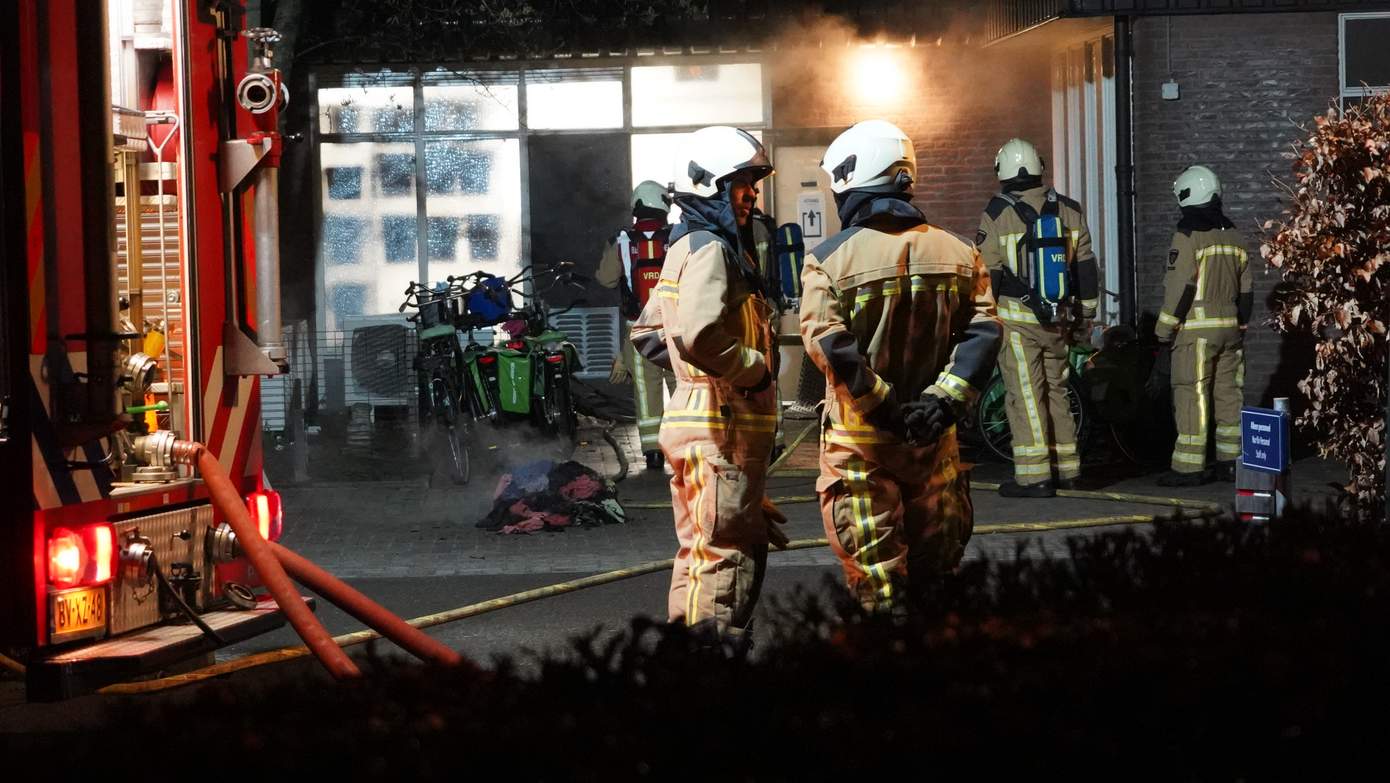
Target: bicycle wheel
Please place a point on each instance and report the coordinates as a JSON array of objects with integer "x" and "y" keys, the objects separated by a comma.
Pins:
[
  {"x": 992, "y": 418},
  {"x": 449, "y": 450},
  {"x": 561, "y": 420}
]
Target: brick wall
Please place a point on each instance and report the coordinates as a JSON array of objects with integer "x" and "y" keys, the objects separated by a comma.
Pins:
[
  {"x": 960, "y": 107},
  {"x": 1246, "y": 82}
]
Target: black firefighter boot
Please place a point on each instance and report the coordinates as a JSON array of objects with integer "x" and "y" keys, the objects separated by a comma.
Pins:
[
  {"x": 1012, "y": 489},
  {"x": 654, "y": 460}
]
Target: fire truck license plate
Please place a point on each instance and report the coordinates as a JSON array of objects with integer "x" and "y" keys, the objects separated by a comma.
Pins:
[{"x": 79, "y": 610}]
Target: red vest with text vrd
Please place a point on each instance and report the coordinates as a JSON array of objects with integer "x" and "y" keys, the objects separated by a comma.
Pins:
[{"x": 642, "y": 249}]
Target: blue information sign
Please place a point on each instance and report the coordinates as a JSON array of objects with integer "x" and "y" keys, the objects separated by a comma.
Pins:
[{"x": 1264, "y": 440}]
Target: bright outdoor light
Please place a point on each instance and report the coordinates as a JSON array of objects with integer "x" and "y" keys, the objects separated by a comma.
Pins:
[{"x": 878, "y": 76}]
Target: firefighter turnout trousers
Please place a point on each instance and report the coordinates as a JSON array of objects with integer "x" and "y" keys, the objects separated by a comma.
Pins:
[
  {"x": 710, "y": 326},
  {"x": 1208, "y": 384},
  {"x": 718, "y": 454},
  {"x": 1033, "y": 361},
  {"x": 650, "y": 384},
  {"x": 891, "y": 511}
]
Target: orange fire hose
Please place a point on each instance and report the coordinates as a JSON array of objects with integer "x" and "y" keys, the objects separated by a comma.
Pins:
[
  {"x": 258, "y": 552},
  {"x": 369, "y": 612}
]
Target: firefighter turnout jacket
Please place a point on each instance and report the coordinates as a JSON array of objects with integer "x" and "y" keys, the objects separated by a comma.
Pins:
[
  {"x": 710, "y": 322},
  {"x": 1207, "y": 299},
  {"x": 1033, "y": 357},
  {"x": 893, "y": 309}
]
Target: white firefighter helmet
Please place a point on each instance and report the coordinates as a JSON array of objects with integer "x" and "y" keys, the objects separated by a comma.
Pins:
[
  {"x": 1196, "y": 186},
  {"x": 651, "y": 195},
  {"x": 712, "y": 154},
  {"x": 869, "y": 154},
  {"x": 1017, "y": 158}
]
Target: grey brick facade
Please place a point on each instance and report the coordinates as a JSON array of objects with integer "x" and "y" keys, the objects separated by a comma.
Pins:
[{"x": 1248, "y": 82}]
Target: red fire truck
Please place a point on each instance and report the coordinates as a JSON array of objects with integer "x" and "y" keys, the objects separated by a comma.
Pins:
[{"x": 139, "y": 308}]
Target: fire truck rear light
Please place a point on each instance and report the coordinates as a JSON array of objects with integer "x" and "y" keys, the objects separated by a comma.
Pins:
[
  {"x": 67, "y": 558},
  {"x": 81, "y": 556},
  {"x": 264, "y": 506}
]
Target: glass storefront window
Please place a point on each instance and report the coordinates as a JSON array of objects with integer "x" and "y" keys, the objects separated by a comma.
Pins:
[
  {"x": 388, "y": 109},
  {"x": 483, "y": 105},
  {"x": 707, "y": 94},
  {"x": 369, "y": 241},
  {"x": 574, "y": 99},
  {"x": 475, "y": 184}
]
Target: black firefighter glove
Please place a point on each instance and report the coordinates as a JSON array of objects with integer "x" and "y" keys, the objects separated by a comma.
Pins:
[{"x": 927, "y": 419}]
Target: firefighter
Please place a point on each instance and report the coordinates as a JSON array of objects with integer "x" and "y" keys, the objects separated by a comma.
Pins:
[
  {"x": 710, "y": 319},
  {"x": 1207, "y": 300},
  {"x": 1036, "y": 246},
  {"x": 899, "y": 316},
  {"x": 632, "y": 263}
]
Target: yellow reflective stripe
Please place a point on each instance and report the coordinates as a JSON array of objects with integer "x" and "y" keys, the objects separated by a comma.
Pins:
[
  {"x": 1227, "y": 448},
  {"x": 1010, "y": 310},
  {"x": 1030, "y": 451},
  {"x": 919, "y": 284},
  {"x": 1189, "y": 458},
  {"x": 1065, "y": 449},
  {"x": 1026, "y": 387},
  {"x": 1211, "y": 323},
  {"x": 861, "y": 513},
  {"x": 1229, "y": 429},
  {"x": 1165, "y": 318},
  {"x": 845, "y": 439},
  {"x": 1040, "y": 469},
  {"x": 1010, "y": 244},
  {"x": 697, "y": 546},
  {"x": 1192, "y": 440},
  {"x": 1202, "y": 388},
  {"x": 958, "y": 388},
  {"x": 1071, "y": 463},
  {"x": 875, "y": 396},
  {"x": 1215, "y": 250}
]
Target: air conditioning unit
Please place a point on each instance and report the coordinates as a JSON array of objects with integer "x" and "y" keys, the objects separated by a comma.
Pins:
[{"x": 595, "y": 332}]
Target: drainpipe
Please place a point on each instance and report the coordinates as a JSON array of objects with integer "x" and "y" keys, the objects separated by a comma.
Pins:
[{"x": 1124, "y": 166}]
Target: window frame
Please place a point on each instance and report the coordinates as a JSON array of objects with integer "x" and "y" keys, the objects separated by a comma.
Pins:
[
  {"x": 1345, "y": 91},
  {"x": 431, "y": 74}
]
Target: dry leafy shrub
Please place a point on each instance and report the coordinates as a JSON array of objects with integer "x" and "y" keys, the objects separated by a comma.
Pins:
[{"x": 1332, "y": 247}]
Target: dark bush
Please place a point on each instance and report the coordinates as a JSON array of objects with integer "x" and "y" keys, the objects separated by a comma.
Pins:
[{"x": 1207, "y": 650}]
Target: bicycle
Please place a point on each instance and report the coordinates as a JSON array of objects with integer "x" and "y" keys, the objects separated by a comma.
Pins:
[
  {"x": 1112, "y": 387},
  {"x": 445, "y": 403},
  {"x": 524, "y": 376}
]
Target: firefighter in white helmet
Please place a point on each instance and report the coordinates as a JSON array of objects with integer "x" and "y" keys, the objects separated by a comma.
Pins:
[
  {"x": 710, "y": 320},
  {"x": 632, "y": 262},
  {"x": 899, "y": 316},
  {"x": 1038, "y": 250},
  {"x": 1207, "y": 301}
]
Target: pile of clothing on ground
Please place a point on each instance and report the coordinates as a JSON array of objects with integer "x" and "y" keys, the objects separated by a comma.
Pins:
[{"x": 544, "y": 495}]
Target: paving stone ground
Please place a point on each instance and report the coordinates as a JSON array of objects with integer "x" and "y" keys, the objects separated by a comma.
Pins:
[{"x": 400, "y": 526}]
